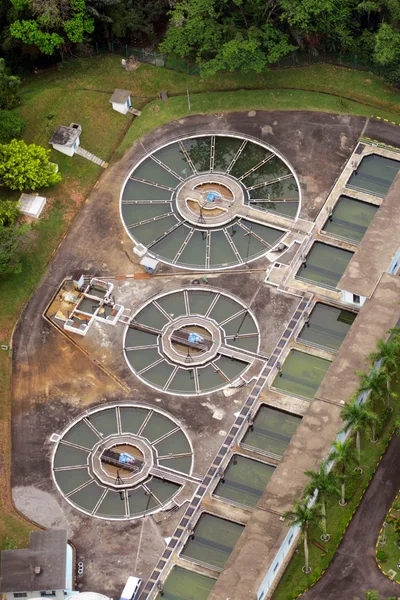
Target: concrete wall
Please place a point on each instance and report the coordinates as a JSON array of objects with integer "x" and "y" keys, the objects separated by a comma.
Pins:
[
  {"x": 122, "y": 108},
  {"x": 394, "y": 267},
  {"x": 69, "y": 151},
  {"x": 348, "y": 298},
  {"x": 59, "y": 595}
]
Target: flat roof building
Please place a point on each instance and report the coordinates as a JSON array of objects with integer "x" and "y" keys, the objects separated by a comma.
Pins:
[
  {"x": 45, "y": 569},
  {"x": 379, "y": 251}
]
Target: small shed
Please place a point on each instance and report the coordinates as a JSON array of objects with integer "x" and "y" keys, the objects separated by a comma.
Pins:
[
  {"x": 31, "y": 205},
  {"x": 66, "y": 139},
  {"x": 150, "y": 264},
  {"x": 121, "y": 101}
]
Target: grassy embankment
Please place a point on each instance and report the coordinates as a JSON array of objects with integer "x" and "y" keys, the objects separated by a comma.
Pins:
[{"x": 388, "y": 542}]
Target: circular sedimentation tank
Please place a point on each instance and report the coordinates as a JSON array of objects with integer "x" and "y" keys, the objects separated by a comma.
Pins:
[
  {"x": 156, "y": 445},
  {"x": 159, "y": 350},
  {"x": 200, "y": 202}
]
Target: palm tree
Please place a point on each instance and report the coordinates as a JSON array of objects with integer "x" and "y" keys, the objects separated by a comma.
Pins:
[
  {"x": 395, "y": 334},
  {"x": 303, "y": 515},
  {"x": 388, "y": 354},
  {"x": 343, "y": 454},
  {"x": 374, "y": 383},
  {"x": 326, "y": 484},
  {"x": 358, "y": 418}
]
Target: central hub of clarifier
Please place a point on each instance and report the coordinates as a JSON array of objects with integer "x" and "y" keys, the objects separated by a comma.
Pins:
[
  {"x": 191, "y": 340},
  {"x": 124, "y": 448},
  {"x": 209, "y": 200}
]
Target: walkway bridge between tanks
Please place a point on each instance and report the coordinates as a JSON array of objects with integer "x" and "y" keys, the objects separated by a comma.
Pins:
[{"x": 179, "y": 337}]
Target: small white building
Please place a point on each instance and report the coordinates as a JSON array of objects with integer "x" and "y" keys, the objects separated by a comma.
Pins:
[
  {"x": 66, "y": 139},
  {"x": 121, "y": 101},
  {"x": 45, "y": 569}
]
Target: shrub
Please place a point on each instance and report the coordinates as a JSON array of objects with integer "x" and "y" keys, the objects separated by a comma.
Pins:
[
  {"x": 10, "y": 250},
  {"x": 24, "y": 167},
  {"x": 381, "y": 555},
  {"x": 11, "y": 126},
  {"x": 396, "y": 504},
  {"x": 372, "y": 595},
  {"x": 9, "y": 212},
  {"x": 9, "y": 85}
]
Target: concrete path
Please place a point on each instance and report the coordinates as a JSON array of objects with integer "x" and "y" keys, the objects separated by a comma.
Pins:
[
  {"x": 353, "y": 570},
  {"x": 386, "y": 133},
  {"x": 90, "y": 156}
]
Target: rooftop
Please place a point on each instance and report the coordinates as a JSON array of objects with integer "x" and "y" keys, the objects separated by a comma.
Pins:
[
  {"x": 256, "y": 549},
  {"x": 48, "y": 550},
  {"x": 341, "y": 380},
  {"x": 377, "y": 248},
  {"x": 66, "y": 136},
  {"x": 120, "y": 96}
]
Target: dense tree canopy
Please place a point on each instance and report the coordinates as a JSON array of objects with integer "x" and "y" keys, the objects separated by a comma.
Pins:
[
  {"x": 51, "y": 24},
  {"x": 131, "y": 20},
  {"x": 227, "y": 35},
  {"x": 247, "y": 34},
  {"x": 217, "y": 34}
]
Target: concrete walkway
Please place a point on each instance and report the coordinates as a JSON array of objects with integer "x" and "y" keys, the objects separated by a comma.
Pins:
[
  {"x": 353, "y": 570},
  {"x": 91, "y": 157}
]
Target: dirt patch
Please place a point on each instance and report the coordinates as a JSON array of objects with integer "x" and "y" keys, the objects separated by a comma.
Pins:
[
  {"x": 76, "y": 201},
  {"x": 71, "y": 198}
]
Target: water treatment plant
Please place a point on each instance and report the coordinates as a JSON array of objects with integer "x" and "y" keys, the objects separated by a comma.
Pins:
[{"x": 170, "y": 414}]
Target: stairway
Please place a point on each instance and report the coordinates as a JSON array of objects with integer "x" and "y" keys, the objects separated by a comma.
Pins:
[{"x": 90, "y": 156}]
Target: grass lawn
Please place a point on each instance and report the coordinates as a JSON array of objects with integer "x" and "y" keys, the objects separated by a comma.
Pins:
[
  {"x": 390, "y": 547},
  {"x": 79, "y": 92},
  {"x": 158, "y": 113},
  {"x": 294, "y": 582}
]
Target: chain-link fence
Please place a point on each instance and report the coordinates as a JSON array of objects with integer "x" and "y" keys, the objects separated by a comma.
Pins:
[
  {"x": 153, "y": 58},
  {"x": 295, "y": 59},
  {"x": 302, "y": 58}
]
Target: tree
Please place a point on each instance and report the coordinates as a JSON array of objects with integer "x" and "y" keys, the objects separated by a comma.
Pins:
[
  {"x": 326, "y": 484},
  {"x": 302, "y": 516},
  {"x": 51, "y": 24},
  {"x": 388, "y": 354},
  {"x": 24, "y": 167},
  {"x": 10, "y": 251},
  {"x": 387, "y": 45},
  {"x": 374, "y": 384},
  {"x": 11, "y": 126},
  {"x": 226, "y": 34},
  {"x": 326, "y": 24},
  {"x": 131, "y": 19},
  {"x": 9, "y": 85},
  {"x": 358, "y": 418},
  {"x": 343, "y": 454}
]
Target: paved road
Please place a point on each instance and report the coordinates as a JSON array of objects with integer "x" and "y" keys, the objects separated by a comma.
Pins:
[
  {"x": 383, "y": 132},
  {"x": 353, "y": 570}
]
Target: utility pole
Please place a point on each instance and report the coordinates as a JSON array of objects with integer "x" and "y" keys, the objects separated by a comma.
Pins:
[{"x": 188, "y": 97}]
